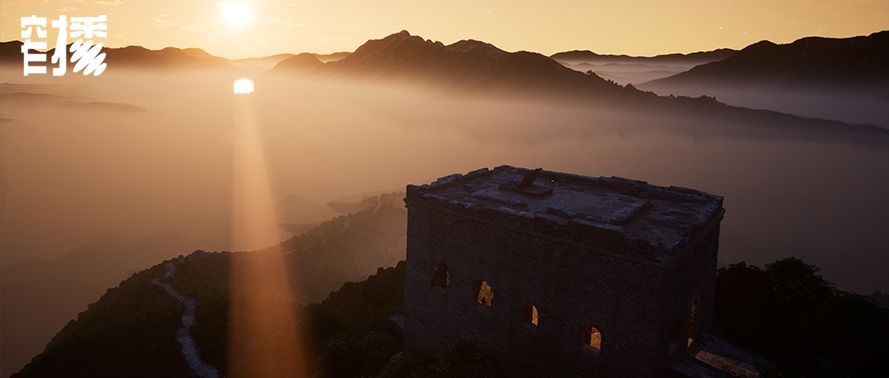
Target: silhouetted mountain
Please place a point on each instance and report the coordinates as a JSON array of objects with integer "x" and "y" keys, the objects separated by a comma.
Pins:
[
  {"x": 265, "y": 63},
  {"x": 11, "y": 52},
  {"x": 625, "y": 69},
  {"x": 103, "y": 342},
  {"x": 786, "y": 312},
  {"x": 135, "y": 57},
  {"x": 347, "y": 247},
  {"x": 808, "y": 62},
  {"x": 262, "y": 60},
  {"x": 469, "y": 67},
  {"x": 465, "y": 66},
  {"x": 40, "y": 296},
  {"x": 298, "y": 214},
  {"x": 583, "y": 56},
  {"x": 131, "y": 331},
  {"x": 300, "y": 62},
  {"x": 880, "y": 299},
  {"x": 298, "y": 209},
  {"x": 170, "y": 57},
  {"x": 332, "y": 57}
]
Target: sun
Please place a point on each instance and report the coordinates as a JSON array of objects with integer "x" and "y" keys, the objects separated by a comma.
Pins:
[
  {"x": 242, "y": 86},
  {"x": 235, "y": 14}
]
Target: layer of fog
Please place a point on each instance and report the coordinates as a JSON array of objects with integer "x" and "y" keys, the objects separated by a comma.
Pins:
[
  {"x": 73, "y": 173},
  {"x": 630, "y": 72},
  {"x": 864, "y": 106}
]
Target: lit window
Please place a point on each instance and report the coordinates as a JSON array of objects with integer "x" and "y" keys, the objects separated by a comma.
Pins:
[
  {"x": 592, "y": 338},
  {"x": 531, "y": 314},
  {"x": 485, "y": 293},
  {"x": 442, "y": 277}
]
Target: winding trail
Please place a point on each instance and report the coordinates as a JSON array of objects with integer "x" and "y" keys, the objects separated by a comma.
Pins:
[
  {"x": 379, "y": 203},
  {"x": 346, "y": 225},
  {"x": 188, "y": 346}
]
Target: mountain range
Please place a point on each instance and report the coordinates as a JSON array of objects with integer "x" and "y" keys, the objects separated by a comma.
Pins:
[
  {"x": 350, "y": 247},
  {"x": 471, "y": 67},
  {"x": 273, "y": 59},
  {"x": 581, "y": 56},
  {"x": 166, "y": 58},
  {"x": 464, "y": 66},
  {"x": 40, "y": 296},
  {"x": 810, "y": 61},
  {"x": 625, "y": 69},
  {"x": 813, "y": 62},
  {"x": 831, "y": 78}
]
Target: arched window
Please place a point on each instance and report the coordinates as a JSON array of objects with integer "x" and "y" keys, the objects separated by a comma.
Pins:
[
  {"x": 592, "y": 338},
  {"x": 485, "y": 293},
  {"x": 442, "y": 277},
  {"x": 531, "y": 314}
]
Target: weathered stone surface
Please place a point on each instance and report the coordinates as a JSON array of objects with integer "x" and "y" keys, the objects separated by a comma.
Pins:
[{"x": 623, "y": 256}]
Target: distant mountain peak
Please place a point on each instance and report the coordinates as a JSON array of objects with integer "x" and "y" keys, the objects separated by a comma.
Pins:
[
  {"x": 466, "y": 65},
  {"x": 764, "y": 44},
  {"x": 466, "y": 45},
  {"x": 299, "y": 62},
  {"x": 698, "y": 57},
  {"x": 810, "y": 62},
  {"x": 398, "y": 44}
]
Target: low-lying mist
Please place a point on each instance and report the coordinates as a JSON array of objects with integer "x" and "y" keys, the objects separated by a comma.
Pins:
[
  {"x": 153, "y": 152},
  {"x": 631, "y": 72},
  {"x": 854, "y": 105}
]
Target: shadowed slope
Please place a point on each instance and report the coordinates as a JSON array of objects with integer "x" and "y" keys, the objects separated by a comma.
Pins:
[
  {"x": 578, "y": 56},
  {"x": 466, "y": 65},
  {"x": 472, "y": 67},
  {"x": 812, "y": 61}
]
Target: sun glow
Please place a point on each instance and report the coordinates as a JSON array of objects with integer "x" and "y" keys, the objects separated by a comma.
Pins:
[
  {"x": 264, "y": 338},
  {"x": 242, "y": 86},
  {"x": 235, "y": 14}
]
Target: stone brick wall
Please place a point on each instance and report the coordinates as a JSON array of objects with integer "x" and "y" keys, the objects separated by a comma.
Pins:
[{"x": 575, "y": 280}]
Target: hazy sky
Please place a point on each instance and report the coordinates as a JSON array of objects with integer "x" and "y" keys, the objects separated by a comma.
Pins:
[{"x": 643, "y": 27}]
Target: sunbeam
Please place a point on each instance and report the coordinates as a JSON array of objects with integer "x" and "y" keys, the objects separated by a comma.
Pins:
[{"x": 264, "y": 339}]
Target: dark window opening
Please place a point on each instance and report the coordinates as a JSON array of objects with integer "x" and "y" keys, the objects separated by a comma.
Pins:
[
  {"x": 531, "y": 314},
  {"x": 485, "y": 293},
  {"x": 592, "y": 338},
  {"x": 677, "y": 333},
  {"x": 442, "y": 277},
  {"x": 692, "y": 319}
]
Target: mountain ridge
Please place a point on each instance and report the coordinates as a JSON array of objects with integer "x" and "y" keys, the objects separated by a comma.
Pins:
[
  {"x": 697, "y": 56},
  {"x": 472, "y": 67},
  {"x": 805, "y": 62},
  {"x": 466, "y": 65}
]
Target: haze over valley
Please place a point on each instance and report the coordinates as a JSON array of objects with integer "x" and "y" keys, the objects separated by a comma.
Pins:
[{"x": 101, "y": 177}]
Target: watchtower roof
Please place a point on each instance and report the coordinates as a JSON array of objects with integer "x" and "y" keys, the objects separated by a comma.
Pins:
[{"x": 661, "y": 216}]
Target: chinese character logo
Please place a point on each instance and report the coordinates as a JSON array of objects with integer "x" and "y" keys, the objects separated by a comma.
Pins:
[{"x": 86, "y": 55}]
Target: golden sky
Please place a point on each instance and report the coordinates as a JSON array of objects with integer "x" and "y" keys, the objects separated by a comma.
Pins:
[{"x": 644, "y": 27}]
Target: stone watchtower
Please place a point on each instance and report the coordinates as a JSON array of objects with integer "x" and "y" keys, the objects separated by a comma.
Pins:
[{"x": 558, "y": 274}]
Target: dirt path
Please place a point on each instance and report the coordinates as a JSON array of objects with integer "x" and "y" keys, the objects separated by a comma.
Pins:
[{"x": 188, "y": 346}]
